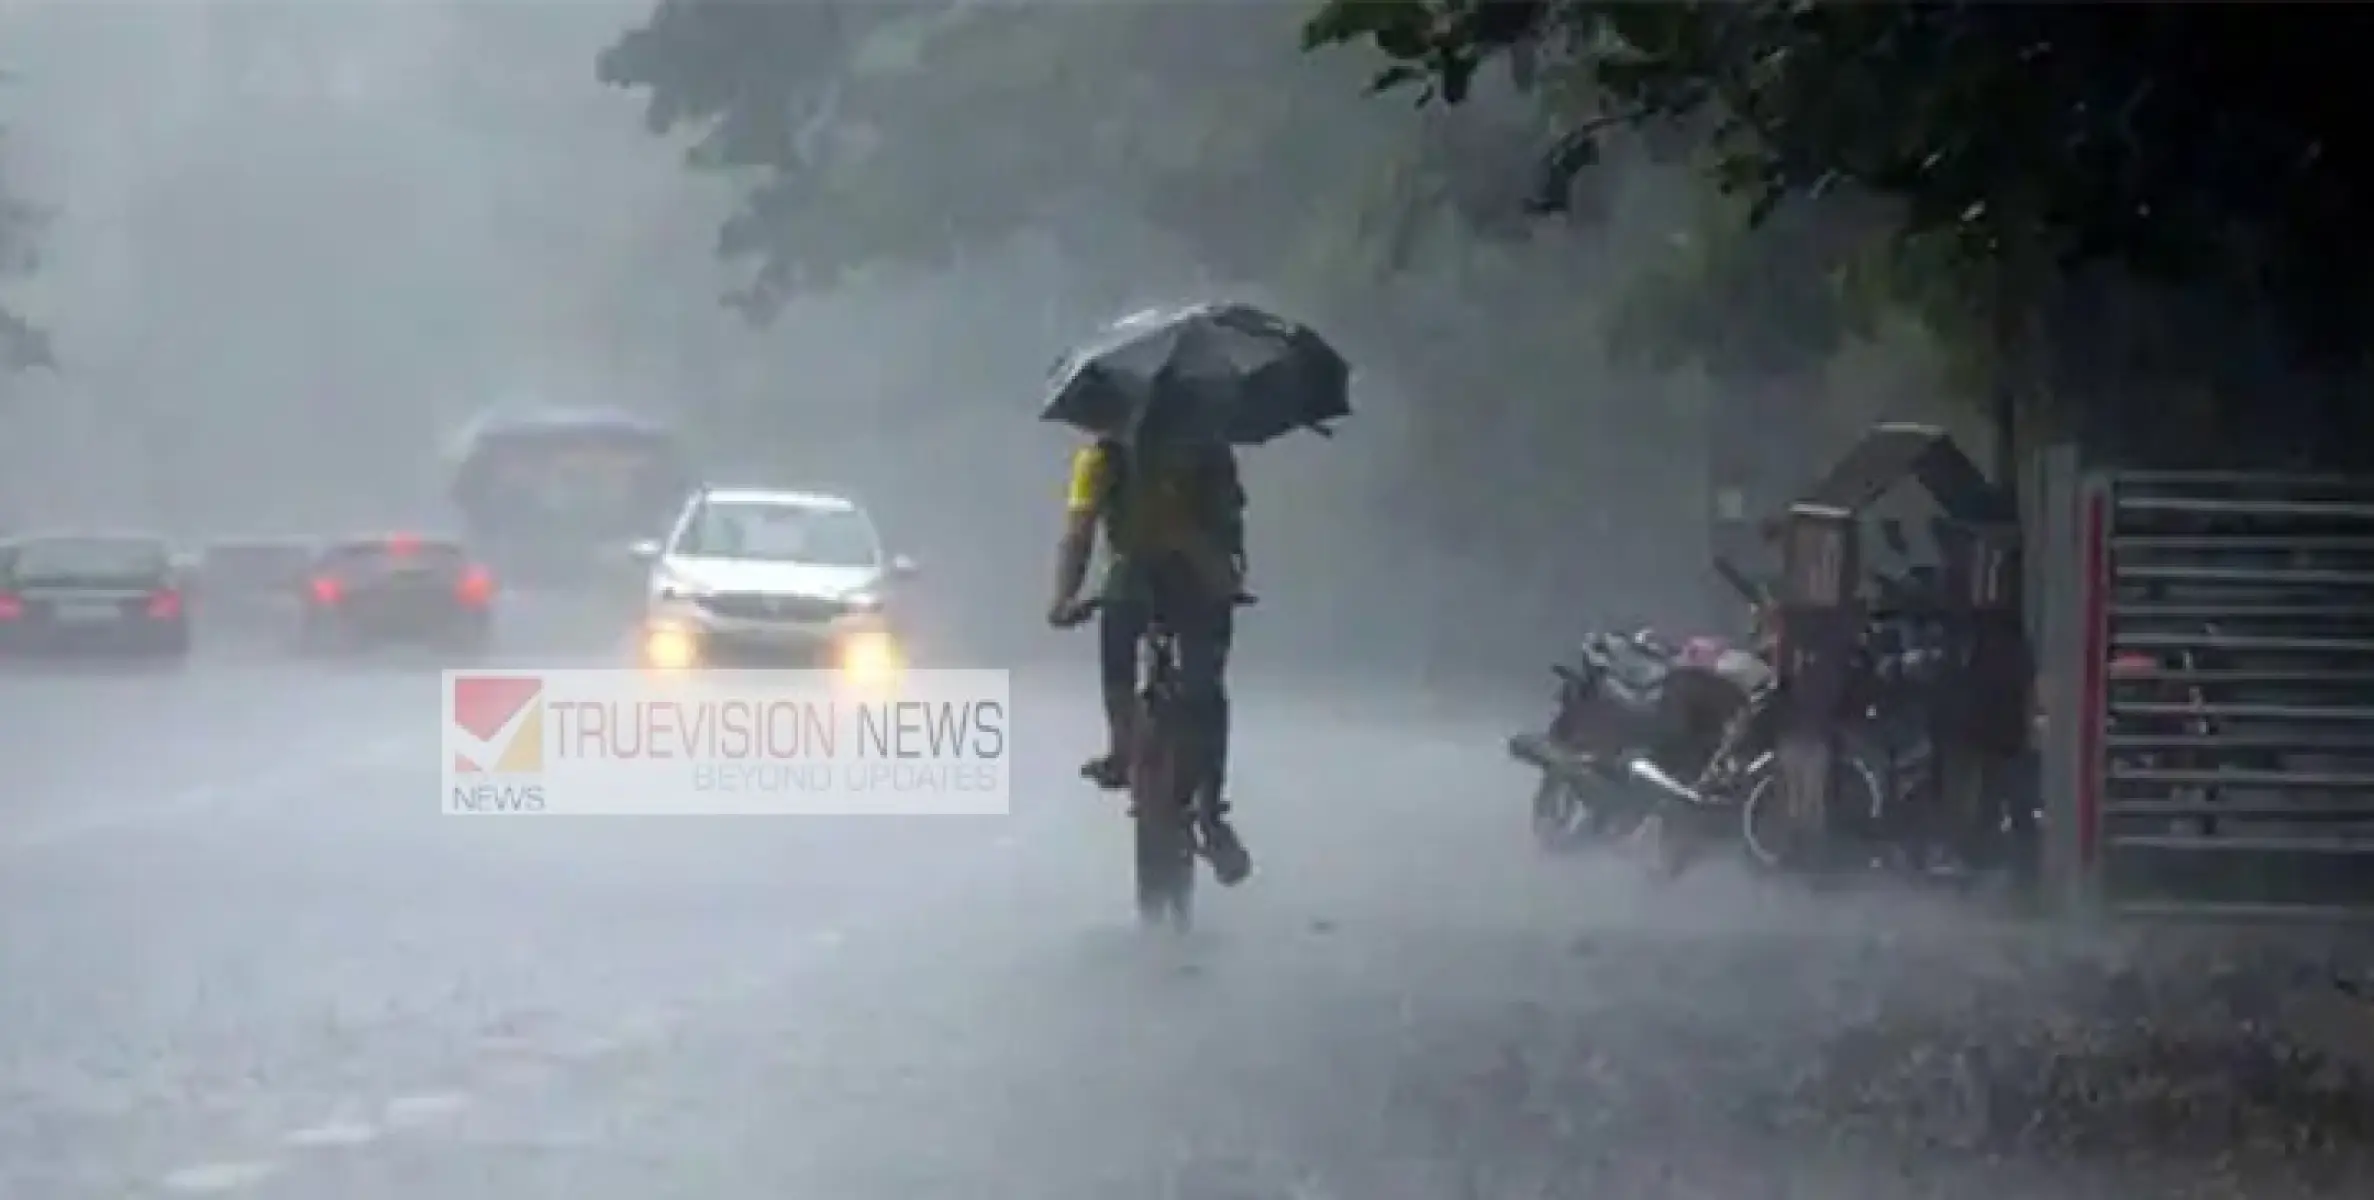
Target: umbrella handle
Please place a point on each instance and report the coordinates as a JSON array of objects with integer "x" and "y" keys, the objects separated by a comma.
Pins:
[{"x": 1322, "y": 430}]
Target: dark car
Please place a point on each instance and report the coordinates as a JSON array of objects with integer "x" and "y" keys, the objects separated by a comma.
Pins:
[
  {"x": 92, "y": 594},
  {"x": 397, "y": 590}
]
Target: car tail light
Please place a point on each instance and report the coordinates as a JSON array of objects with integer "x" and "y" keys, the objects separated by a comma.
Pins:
[
  {"x": 327, "y": 590},
  {"x": 164, "y": 604},
  {"x": 476, "y": 589},
  {"x": 402, "y": 545},
  {"x": 11, "y": 608}
]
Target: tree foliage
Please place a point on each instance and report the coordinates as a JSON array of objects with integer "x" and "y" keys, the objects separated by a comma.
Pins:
[
  {"x": 2212, "y": 148},
  {"x": 22, "y": 344},
  {"x": 907, "y": 131}
]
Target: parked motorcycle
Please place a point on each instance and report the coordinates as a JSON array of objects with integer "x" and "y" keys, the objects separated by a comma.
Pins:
[
  {"x": 1638, "y": 722},
  {"x": 1688, "y": 736},
  {"x": 1728, "y": 787}
]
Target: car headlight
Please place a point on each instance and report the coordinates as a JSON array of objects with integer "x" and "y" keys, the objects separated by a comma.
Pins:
[
  {"x": 670, "y": 648},
  {"x": 869, "y": 658}
]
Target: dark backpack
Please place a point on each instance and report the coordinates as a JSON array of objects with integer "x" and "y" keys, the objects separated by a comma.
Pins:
[{"x": 1210, "y": 479}]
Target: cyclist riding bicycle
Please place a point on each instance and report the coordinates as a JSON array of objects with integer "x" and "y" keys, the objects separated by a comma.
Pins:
[{"x": 1172, "y": 513}]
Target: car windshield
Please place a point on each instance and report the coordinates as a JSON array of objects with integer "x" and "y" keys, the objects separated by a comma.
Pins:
[
  {"x": 782, "y": 532},
  {"x": 105, "y": 558},
  {"x": 386, "y": 554}
]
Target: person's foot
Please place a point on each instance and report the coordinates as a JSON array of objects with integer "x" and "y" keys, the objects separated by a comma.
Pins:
[
  {"x": 1106, "y": 771},
  {"x": 1231, "y": 864}
]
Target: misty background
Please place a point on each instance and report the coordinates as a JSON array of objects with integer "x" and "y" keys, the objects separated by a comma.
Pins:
[
  {"x": 285, "y": 250},
  {"x": 292, "y": 247}
]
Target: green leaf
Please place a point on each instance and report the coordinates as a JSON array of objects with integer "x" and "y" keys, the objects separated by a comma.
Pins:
[
  {"x": 1393, "y": 77},
  {"x": 1338, "y": 21}
]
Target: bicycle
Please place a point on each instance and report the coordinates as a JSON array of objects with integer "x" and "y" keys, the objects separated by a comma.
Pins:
[{"x": 1171, "y": 804}]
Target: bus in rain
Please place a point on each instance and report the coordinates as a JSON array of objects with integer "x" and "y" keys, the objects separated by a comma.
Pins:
[{"x": 559, "y": 494}]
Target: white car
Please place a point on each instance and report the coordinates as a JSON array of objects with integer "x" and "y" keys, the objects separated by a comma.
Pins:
[{"x": 750, "y": 577}]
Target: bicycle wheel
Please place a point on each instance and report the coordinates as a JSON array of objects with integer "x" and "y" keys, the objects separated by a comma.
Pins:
[{"x": 1165, "y": 844}]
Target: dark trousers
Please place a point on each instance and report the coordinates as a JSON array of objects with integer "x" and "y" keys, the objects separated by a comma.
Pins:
[{"x": 1203, "y": 630}]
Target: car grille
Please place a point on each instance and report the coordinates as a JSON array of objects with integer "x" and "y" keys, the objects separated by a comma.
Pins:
[
  {"x": 752, "y": 606},
  {"x": 725, "y": 650}
]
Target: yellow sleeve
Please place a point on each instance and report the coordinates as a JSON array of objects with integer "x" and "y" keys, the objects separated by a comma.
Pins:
[{"x": 1088, "y": 480}]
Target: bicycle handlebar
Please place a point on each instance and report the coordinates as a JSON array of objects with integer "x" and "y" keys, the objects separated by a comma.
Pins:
[
  {"x": 1095, "y": 604},
  {"x": 1240, "y": 600}
]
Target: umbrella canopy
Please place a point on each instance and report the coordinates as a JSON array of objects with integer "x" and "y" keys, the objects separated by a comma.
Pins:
[{"x": 1224, "y": 372}]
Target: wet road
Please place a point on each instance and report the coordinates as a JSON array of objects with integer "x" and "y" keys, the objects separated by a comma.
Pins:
[{"x": 241, "y": 954}]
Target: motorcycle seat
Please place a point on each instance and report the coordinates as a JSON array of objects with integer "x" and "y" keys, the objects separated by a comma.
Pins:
[{"x": 1742, "y": 670}]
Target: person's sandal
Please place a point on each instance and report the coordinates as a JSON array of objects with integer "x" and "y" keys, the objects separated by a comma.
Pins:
[{"x": 1231, "y": 864}]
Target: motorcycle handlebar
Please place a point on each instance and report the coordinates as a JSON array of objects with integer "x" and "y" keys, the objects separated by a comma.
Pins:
[{"x": 1748, "y": 589}]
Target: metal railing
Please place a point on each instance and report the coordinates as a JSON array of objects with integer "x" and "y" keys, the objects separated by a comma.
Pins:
[{"x": 2215, "y": 644}]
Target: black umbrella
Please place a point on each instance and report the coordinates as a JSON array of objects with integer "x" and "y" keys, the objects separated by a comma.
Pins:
[{"x": 1227, "y": 372}]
